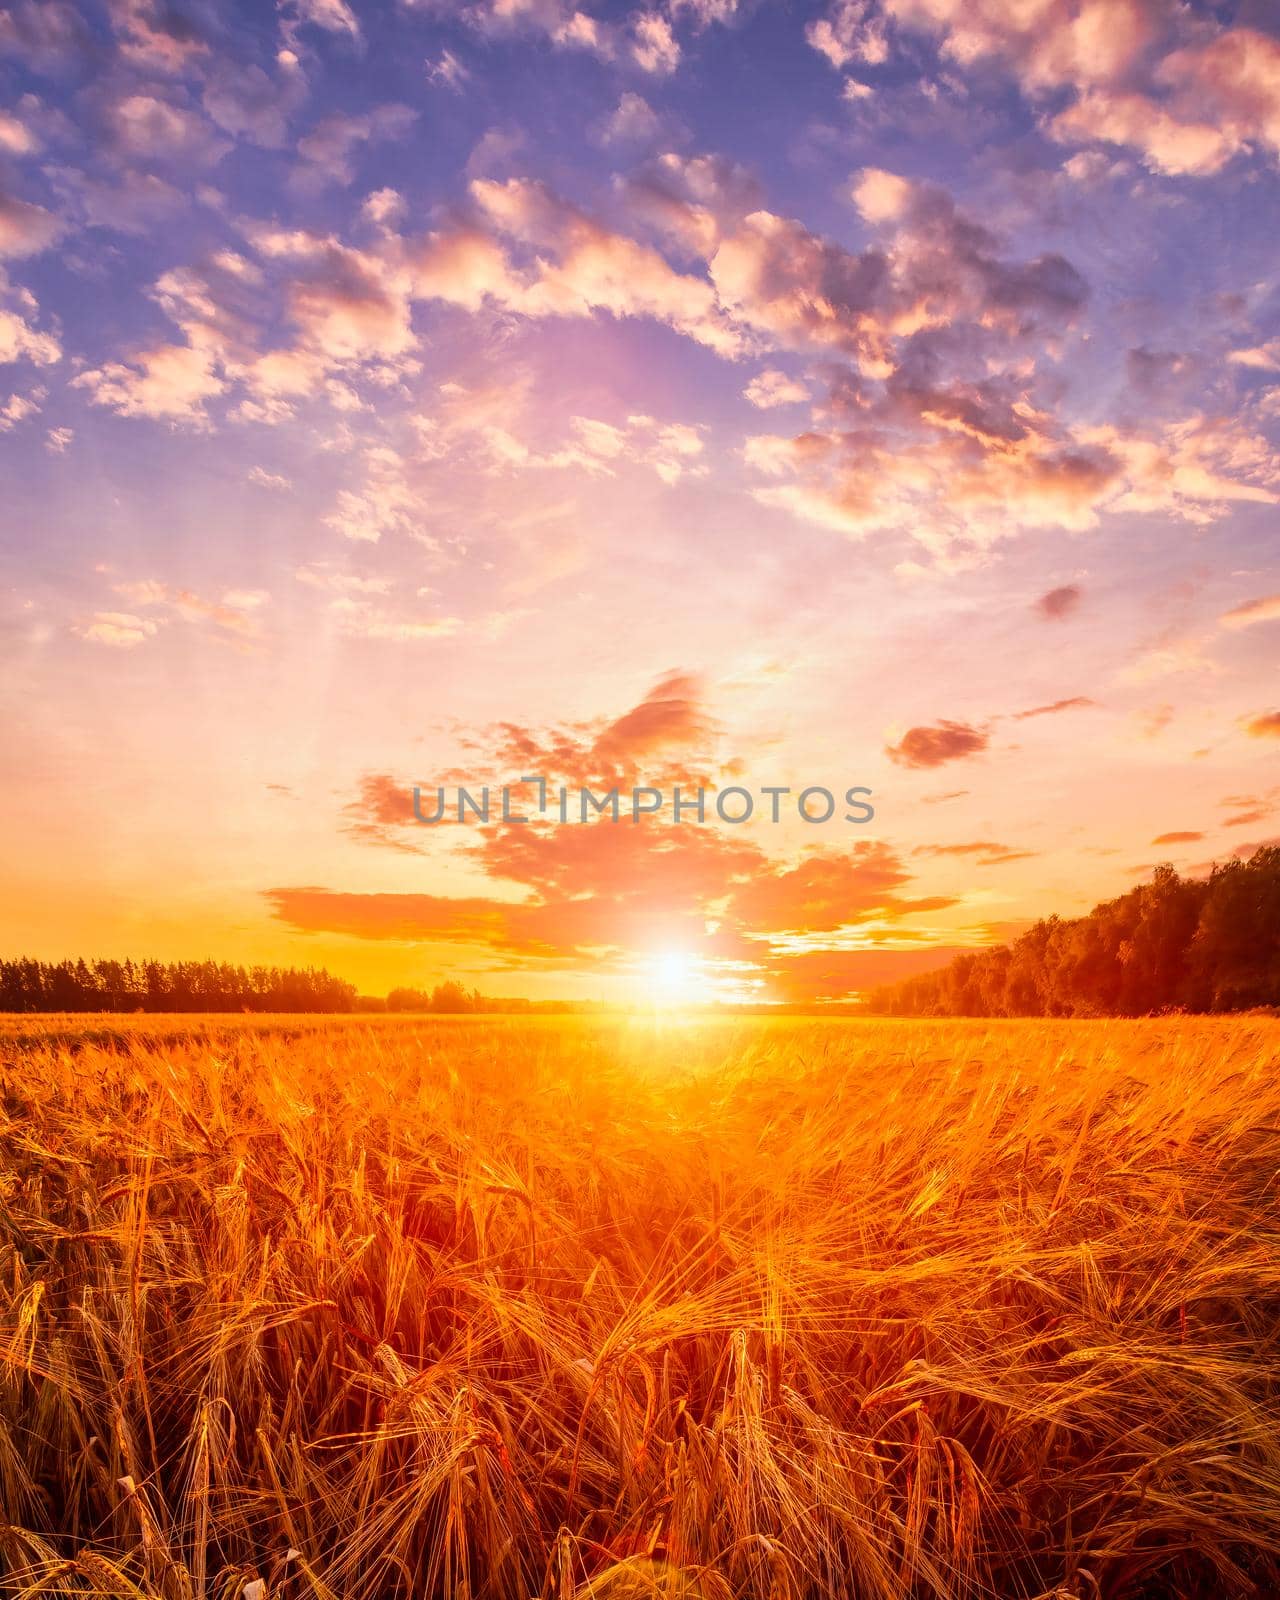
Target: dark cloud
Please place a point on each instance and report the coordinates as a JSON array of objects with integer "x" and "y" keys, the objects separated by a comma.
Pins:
[
  {"x": 48, "y": 34},
  {"x": 25, "y": 229},
  {"x": 1151, "y": 371},
  {"x": 1059, "y": 603}
]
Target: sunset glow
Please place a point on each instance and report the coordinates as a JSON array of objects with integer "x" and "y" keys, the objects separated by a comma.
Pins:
[{"x": 873, "y": 394}]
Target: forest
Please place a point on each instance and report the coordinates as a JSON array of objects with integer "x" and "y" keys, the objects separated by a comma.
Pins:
[
  {"x": 1173, "y": 944},
  {"x": 27, "y": 985}
]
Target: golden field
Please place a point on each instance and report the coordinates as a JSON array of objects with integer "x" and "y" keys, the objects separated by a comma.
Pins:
[{"x": 639, "y": 1306}]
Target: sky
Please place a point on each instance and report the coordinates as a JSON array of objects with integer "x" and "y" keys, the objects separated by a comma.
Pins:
[{"x": 716, "y": 392}]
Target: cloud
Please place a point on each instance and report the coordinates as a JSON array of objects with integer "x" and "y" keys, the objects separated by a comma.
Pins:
[
  {"x": 25, "y": 229},
  {"x": 654, "y": 47},
  {"x": 1077, "y": 702},
  {"x": 333, "y": 16},
  {"x": 269, "y": 480},
  {"x": 984, "y": 852},
  {"x": 17, "y": 408},
  {"x": 1250, "y": 612},
  {"x": 773, "y": 388},
  {"x": 610, "y": 893},
  {"x": 360, "y": 619},
  {"x": 692, "y": 200},
  {"x": 604, "y": 891},
  {"x": 671, "y": 715},
  {"x": 881, "y": 196},
  {"x": 146, "y": 128},
  {"x": 130, "y": 202},
  {"x": 952, "y": 492},
  {"x": 169, "y": 383},
  {"x": 1246, "y": 818},
  {"x": 16, "y": 138},
  {"x": 323, "y": 576},
  {"x": 1168, "y": 144},
  {"x": 387, "y": 502},
  {"x": 406, "y": 917},
  {"x": 1261, "y": 357},
  {"x": 933, "y": 336},
  {"x": 652, "y": 741},
  {"x": 1059, "y": 603},
  {"x": 849, "y": 32},
  {"x": 671, "y": 449},
  {"x": 174, "y": 382},
  {"x": 937, "y": 743},
  {"x": 155, "y": 35},
  {"x": 119, "y": 629},
  {"x": 1192, "y": 468},
  {"x": 50, "y": 35},
  {"x": 19, "y": 340},
  {"x": 349, "y": 310},
  {"x": 329, "y": 151},
  {"x": 1266, "y": 725},
  {"x": 235, "y": 613},
  {"x": 1163, "y": 80},
  {"x": 826, "y": 891},
  {"x": 382, "y": 814},
  {"x": 971, "y": 470},
  {"x": 938, "y": 267},
  {"x": 633, "y": 120},
  {"x": 447, "y": 71},
  {"x": 346, "y": 309},
  {"x": 581, "y": 267},
  {"x": 1178, "y": 837},
  {"x": 248, "y": 103}
]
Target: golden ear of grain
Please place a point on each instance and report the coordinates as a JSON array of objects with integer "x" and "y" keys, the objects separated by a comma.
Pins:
[{"x": 777, "y": 1310}]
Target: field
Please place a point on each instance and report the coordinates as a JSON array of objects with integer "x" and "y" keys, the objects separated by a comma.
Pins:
[{"x": 625, "y": 1307}]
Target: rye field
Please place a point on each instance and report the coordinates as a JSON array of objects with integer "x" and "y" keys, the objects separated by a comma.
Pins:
[{"x": 629, "y": 1307}]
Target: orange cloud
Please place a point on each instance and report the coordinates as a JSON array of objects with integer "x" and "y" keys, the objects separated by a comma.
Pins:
[
  {"x": 826, "y": 891},
  {"x": 1249, "y": 612},
  {"x": 983, "y": 851},
  {"x": 1077, "y": 702},
  {"x": 934, "y": 745}
]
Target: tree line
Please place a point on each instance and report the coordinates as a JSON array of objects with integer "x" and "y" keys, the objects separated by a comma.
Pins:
[
  {"x": 1189, "y": 944},
  {"x": 27, "y": 985},
  {"x": 455, "y": 999}
]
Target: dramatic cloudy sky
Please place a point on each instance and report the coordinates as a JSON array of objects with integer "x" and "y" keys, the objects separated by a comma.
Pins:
[{"x": 393, "y": 391}]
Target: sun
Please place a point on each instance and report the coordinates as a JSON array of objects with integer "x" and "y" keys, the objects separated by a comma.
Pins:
[{"x": 675, "y": 978}]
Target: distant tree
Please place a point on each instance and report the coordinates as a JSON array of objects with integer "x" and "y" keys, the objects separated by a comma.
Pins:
[{"x": 446, "y": 998}]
